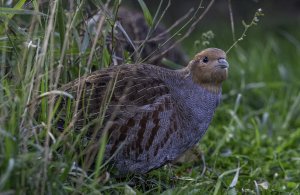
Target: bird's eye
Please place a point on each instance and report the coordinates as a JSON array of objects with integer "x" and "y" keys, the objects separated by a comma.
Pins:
[{"x": 205, "y": 59}]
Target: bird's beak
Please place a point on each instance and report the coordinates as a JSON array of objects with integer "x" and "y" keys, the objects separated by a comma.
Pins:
[{"x": 223, "y": 63}]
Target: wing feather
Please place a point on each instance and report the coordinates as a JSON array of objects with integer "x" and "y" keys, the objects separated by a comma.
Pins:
[
  {"x": 137, "y": 110},
  {"x": 123, "y": 90}
]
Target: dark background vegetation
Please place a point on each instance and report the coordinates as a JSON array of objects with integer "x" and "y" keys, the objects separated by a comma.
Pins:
[{"x": 279, "y": 16}]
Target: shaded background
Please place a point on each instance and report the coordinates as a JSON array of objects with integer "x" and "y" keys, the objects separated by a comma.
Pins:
[{"x": 280, "y": 16}]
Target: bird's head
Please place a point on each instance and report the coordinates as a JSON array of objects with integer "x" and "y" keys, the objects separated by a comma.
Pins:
[{"x": 209, "y": 68}]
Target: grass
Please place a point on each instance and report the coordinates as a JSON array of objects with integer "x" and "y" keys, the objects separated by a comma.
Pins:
[{"x": 252, "y": 146}]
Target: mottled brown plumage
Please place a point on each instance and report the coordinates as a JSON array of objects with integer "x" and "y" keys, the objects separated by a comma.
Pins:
[{"x": 150, "y": 114}]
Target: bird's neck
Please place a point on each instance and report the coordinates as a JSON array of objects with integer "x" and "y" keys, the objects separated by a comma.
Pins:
[{"x": 213, "y": 87}]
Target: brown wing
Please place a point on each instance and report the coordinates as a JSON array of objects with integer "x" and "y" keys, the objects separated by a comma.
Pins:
[
  {"x": 119, "y": 91},
  {"x": 132, "y": 104}
]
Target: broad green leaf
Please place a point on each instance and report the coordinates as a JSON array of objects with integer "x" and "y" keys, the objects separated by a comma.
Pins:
[
  {"x": 10, "y": 12},
  {"x": 61, "y": 23},
  {"x": 146, "y": 12},
  {"x": 18, "y": 6},
  {"x": 105, "y": 58}
]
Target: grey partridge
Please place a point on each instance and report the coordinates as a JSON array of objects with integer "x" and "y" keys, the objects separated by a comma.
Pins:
[{"x": 151, "y": 115}]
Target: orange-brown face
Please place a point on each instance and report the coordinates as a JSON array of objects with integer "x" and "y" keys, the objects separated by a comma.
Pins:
[{"x": 209, "y": 67}]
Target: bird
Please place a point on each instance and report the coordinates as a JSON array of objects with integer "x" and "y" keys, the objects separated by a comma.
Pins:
[{"x": 150, "y": 115}]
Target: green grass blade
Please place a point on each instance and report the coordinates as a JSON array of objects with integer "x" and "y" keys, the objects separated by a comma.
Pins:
[{"x": 146, "y": 12}]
